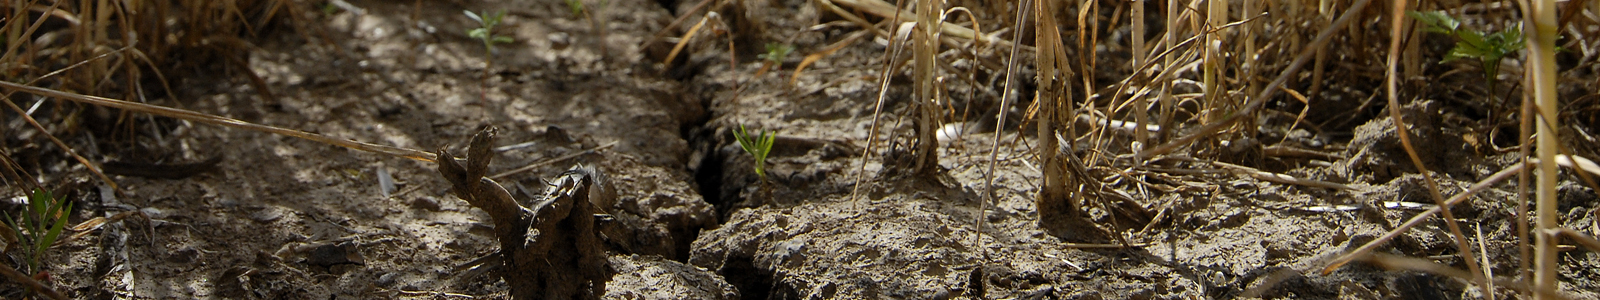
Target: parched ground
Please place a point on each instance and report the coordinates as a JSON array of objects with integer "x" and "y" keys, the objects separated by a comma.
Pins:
[{"x": 283, "y": 218}]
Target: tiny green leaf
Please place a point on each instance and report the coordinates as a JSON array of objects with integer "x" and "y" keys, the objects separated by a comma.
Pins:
[
  {"x": 1435, "y": 21},
  {"x": 776, "y": 52},
  {"x": 576, "y": 6},
  {"x": 55, "y": 230},
  {"x": 758, "y": 147}
]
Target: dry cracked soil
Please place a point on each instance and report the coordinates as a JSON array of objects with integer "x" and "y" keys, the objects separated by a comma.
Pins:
[{"x": 283, "y": 218}]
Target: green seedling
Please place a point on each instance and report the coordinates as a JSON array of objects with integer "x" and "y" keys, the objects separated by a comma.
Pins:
[
  {"x": 758, "y": 147},
  {"x": 776, "y": 52},
  {"x": 328, "y": 8},
  {"x": 576, "y": 6},
  {"x": 485, "y": 31},
  {"x": 578, "y": 9},
  {"x": 38, "y": 227},
  {"x": 1489, "y": 49},
  {"x": 596, "y": 22}
]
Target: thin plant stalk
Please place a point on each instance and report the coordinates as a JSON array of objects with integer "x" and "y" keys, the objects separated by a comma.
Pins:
[
  {"x": 1216, "y": 17},
  {"x": 1267, "y": 91},
  {"x": 895, "y": 48},
  {"x": 1252, "y": 8},
  {"x": 925, "y": 50},
  {"x": 1168, "y": 104},
  {"x": 1524, "y": 254},
  {"x": 1541, "y": 41},
  {"x": 1396, "y": 26},
  {"x": 994, "y": 150},
  {"x": 1140, "y": 107},
  {"x": 189, "y": 115}
]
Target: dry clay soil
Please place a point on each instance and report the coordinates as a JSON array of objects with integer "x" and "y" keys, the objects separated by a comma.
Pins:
[{"x": 283, "y": 218}]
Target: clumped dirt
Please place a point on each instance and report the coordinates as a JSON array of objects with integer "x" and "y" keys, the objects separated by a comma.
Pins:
[{"x": 286, "y": 218}]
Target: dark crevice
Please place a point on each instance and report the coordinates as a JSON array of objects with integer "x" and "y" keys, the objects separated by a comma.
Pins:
[
  {"x": 753, "y": 283},
  {"x": 706, "y": 162},
  {"x": 670, "y": 5}
]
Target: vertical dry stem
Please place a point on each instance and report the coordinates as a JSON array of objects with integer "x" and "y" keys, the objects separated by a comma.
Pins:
[
  {"x": 994, "y": 151},
  {"x": 925, "y": 48},
  {"x": 1168, "y": 104},
  {"x": 1396, "y": 26},
  {"x": 1140, "y": 107},
  {"x": 1216, "y": 17},
  {"x": 1541, "y": 18}
]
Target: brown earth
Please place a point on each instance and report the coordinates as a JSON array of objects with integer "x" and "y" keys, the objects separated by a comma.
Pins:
[{"x": 282, "y": 218}]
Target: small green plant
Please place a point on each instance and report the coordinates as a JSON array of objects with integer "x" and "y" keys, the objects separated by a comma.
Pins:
[
  {"x": 576, "y": 6},
  {"x": 329, "y": 8},
  {"x": 1489, "y": 49},
  {"x": 485, "y": 30},
  {"x": 596, "y": 21},
  {"x": 758, "y": 146},
  {"x": 776, "y": 52},
  {"x": 41, "y": 222}
]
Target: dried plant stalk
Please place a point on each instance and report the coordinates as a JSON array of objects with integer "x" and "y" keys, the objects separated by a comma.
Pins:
[
  {"x": 924, "y": 52},
  {"x": 1140, "y": 106},
  {"x": 412, "y": 154},
  {"x": 1215, "y": 103},
  {"x": 1268, "y": 90},
  {"x": 1397, "y": 15},
  {"x": 1541, "y": 18}
]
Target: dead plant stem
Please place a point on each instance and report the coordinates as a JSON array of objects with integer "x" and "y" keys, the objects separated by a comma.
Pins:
[
  {"x": 994, "y": 150},
  {"x": 883, "y": 89},
  {"x": 1396, "y": 26},
  {"x": 412, "y": 154},
  {"x": 1540, "y": 17},
  {"x": 1419, "y": 218},
  {"x": 1269, "y": 90}
]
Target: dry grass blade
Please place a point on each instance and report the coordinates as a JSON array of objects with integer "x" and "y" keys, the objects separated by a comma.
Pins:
[
  {"x": 1488, "y": 271},
  {"x": 684, "y": 41},
  {"x": 1416, "y": 220},
  {"x": 1279, "y": 178},
  {"x": 994, "y": 151},
  {"x": 218, "y": 120},
  {"x": 93, "y": 168},
  {"x": 675, "y": 22},
  {"x": 1416, "y": 264},
  {"x": 1391, "y": 83},
  {"x": 896, "y": 44},
  {"x": 814, "y": 57},
  {"x": 542, "y": 163},
  {"x": 1585, "y": 240},
  {"x": 1270, "y": 89},
  {"x": 34, "y": 285},
  {"x": 886, "y": 10},
  {"x": 853, "y": 18}
]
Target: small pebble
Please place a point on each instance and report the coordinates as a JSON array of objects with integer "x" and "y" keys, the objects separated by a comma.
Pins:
[
  {"x": 153, "y": 213},
  {"x": 330, "y": 255},
  {"x": 426, "y": 203},
  {"x": 266, "y": 215},
  {"x": 386, "y": 280}
]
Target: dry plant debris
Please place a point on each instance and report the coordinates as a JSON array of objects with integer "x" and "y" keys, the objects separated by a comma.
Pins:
[
  {"x": 551, "y": 250},
  {"x": 1218, "y": 139}
]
